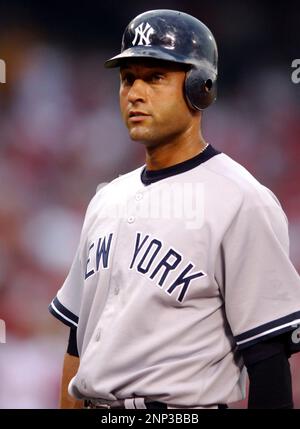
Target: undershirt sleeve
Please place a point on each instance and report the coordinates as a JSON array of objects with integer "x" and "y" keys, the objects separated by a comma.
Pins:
[
  {"x": 72, "y": 343},
  {"x": 270, "y": 384}
]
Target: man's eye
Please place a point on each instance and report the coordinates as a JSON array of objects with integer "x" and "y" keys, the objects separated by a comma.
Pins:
[
  {"x": 127, "y": 80},
  {"x": 156, "y": 77}
]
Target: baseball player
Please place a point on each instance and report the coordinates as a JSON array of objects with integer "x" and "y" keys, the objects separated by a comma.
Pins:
[{"x": 182, "y": 280}]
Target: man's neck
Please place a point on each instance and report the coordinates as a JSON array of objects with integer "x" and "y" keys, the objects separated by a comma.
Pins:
[{"x": 174, "y": 152}]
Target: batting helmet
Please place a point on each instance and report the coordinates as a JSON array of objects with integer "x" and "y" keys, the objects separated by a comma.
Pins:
[{"x": 175, "y": 36}]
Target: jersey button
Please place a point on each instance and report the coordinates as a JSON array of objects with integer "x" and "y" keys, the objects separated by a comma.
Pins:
[
  {"x": 117, "y": 290},
  {"x": 139, "y": 197},
  {"x": 83, "y": 383},
  {"x": 131, "y": 219}
]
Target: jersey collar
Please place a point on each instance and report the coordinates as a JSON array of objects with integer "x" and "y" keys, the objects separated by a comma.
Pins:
[{"x": 151, "y": 176}]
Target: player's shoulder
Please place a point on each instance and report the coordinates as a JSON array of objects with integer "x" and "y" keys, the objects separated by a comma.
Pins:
[
  {"x": 111, "y": 191},
  {"x": 127, "y": 179},
  {"x": 124, "y": 181},
  {"x": 235, "y": 178}
]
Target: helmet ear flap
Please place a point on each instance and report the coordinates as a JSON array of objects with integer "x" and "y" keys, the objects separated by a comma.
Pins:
[{"x": 200, "y": 87}]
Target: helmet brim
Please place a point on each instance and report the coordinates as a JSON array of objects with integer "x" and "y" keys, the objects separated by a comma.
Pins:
[{"x": 144, "y": 52}]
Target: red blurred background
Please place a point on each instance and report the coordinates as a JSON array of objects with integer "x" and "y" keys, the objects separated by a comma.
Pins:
[{"x": 61, "y": 135}]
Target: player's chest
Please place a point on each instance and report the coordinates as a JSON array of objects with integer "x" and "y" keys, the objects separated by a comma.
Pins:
[{"x": 168, "y": 255}]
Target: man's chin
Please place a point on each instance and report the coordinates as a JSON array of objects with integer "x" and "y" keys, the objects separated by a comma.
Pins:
[{"x": 140, "y": 135}]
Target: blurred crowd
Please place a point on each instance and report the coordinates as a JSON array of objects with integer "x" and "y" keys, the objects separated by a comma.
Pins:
[{"x": 61, "y": 135}]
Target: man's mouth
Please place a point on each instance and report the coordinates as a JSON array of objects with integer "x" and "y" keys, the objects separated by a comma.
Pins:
[{"x": 137, "y": 115}]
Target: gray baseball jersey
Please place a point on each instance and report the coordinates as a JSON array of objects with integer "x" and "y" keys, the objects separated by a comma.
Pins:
[{"x": 177, "y": 270}]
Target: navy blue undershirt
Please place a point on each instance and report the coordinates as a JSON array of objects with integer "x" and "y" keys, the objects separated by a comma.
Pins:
[{"x": 151, "y": 176}]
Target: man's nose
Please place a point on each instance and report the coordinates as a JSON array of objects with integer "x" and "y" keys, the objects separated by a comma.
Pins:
[{"x": 137, "y": 91}]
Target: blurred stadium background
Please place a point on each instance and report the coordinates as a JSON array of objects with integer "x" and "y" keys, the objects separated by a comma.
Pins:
[{"x": 61, "y": 134}]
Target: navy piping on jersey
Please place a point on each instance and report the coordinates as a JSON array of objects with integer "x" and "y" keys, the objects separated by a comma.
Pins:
[
  {"x": 268, "y": 330},
  {"x": 63, "y": 314},
  {"x": 151, "y": 176}
]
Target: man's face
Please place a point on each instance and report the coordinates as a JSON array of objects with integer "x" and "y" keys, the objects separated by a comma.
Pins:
[{"x": 152, "y": 101}]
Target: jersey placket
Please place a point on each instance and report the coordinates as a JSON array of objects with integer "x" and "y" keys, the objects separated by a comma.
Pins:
[{"x": 128, "y": 217}]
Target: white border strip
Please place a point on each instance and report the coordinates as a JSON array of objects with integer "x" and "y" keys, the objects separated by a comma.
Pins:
[
  {"x": 62, "y": 315},
  {"x": 297, "y": 321}
]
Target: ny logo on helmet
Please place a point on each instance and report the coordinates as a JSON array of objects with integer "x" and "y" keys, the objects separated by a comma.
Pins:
[{"x": 143, "y": 33}]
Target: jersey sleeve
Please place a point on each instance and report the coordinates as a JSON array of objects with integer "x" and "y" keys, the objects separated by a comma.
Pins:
[
  {"x": 261, "y": 287},
  {"x": 66, "y": 305}
]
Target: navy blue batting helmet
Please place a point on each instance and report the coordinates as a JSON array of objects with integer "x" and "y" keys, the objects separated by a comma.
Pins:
[{"x": 175, "y": 36}]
